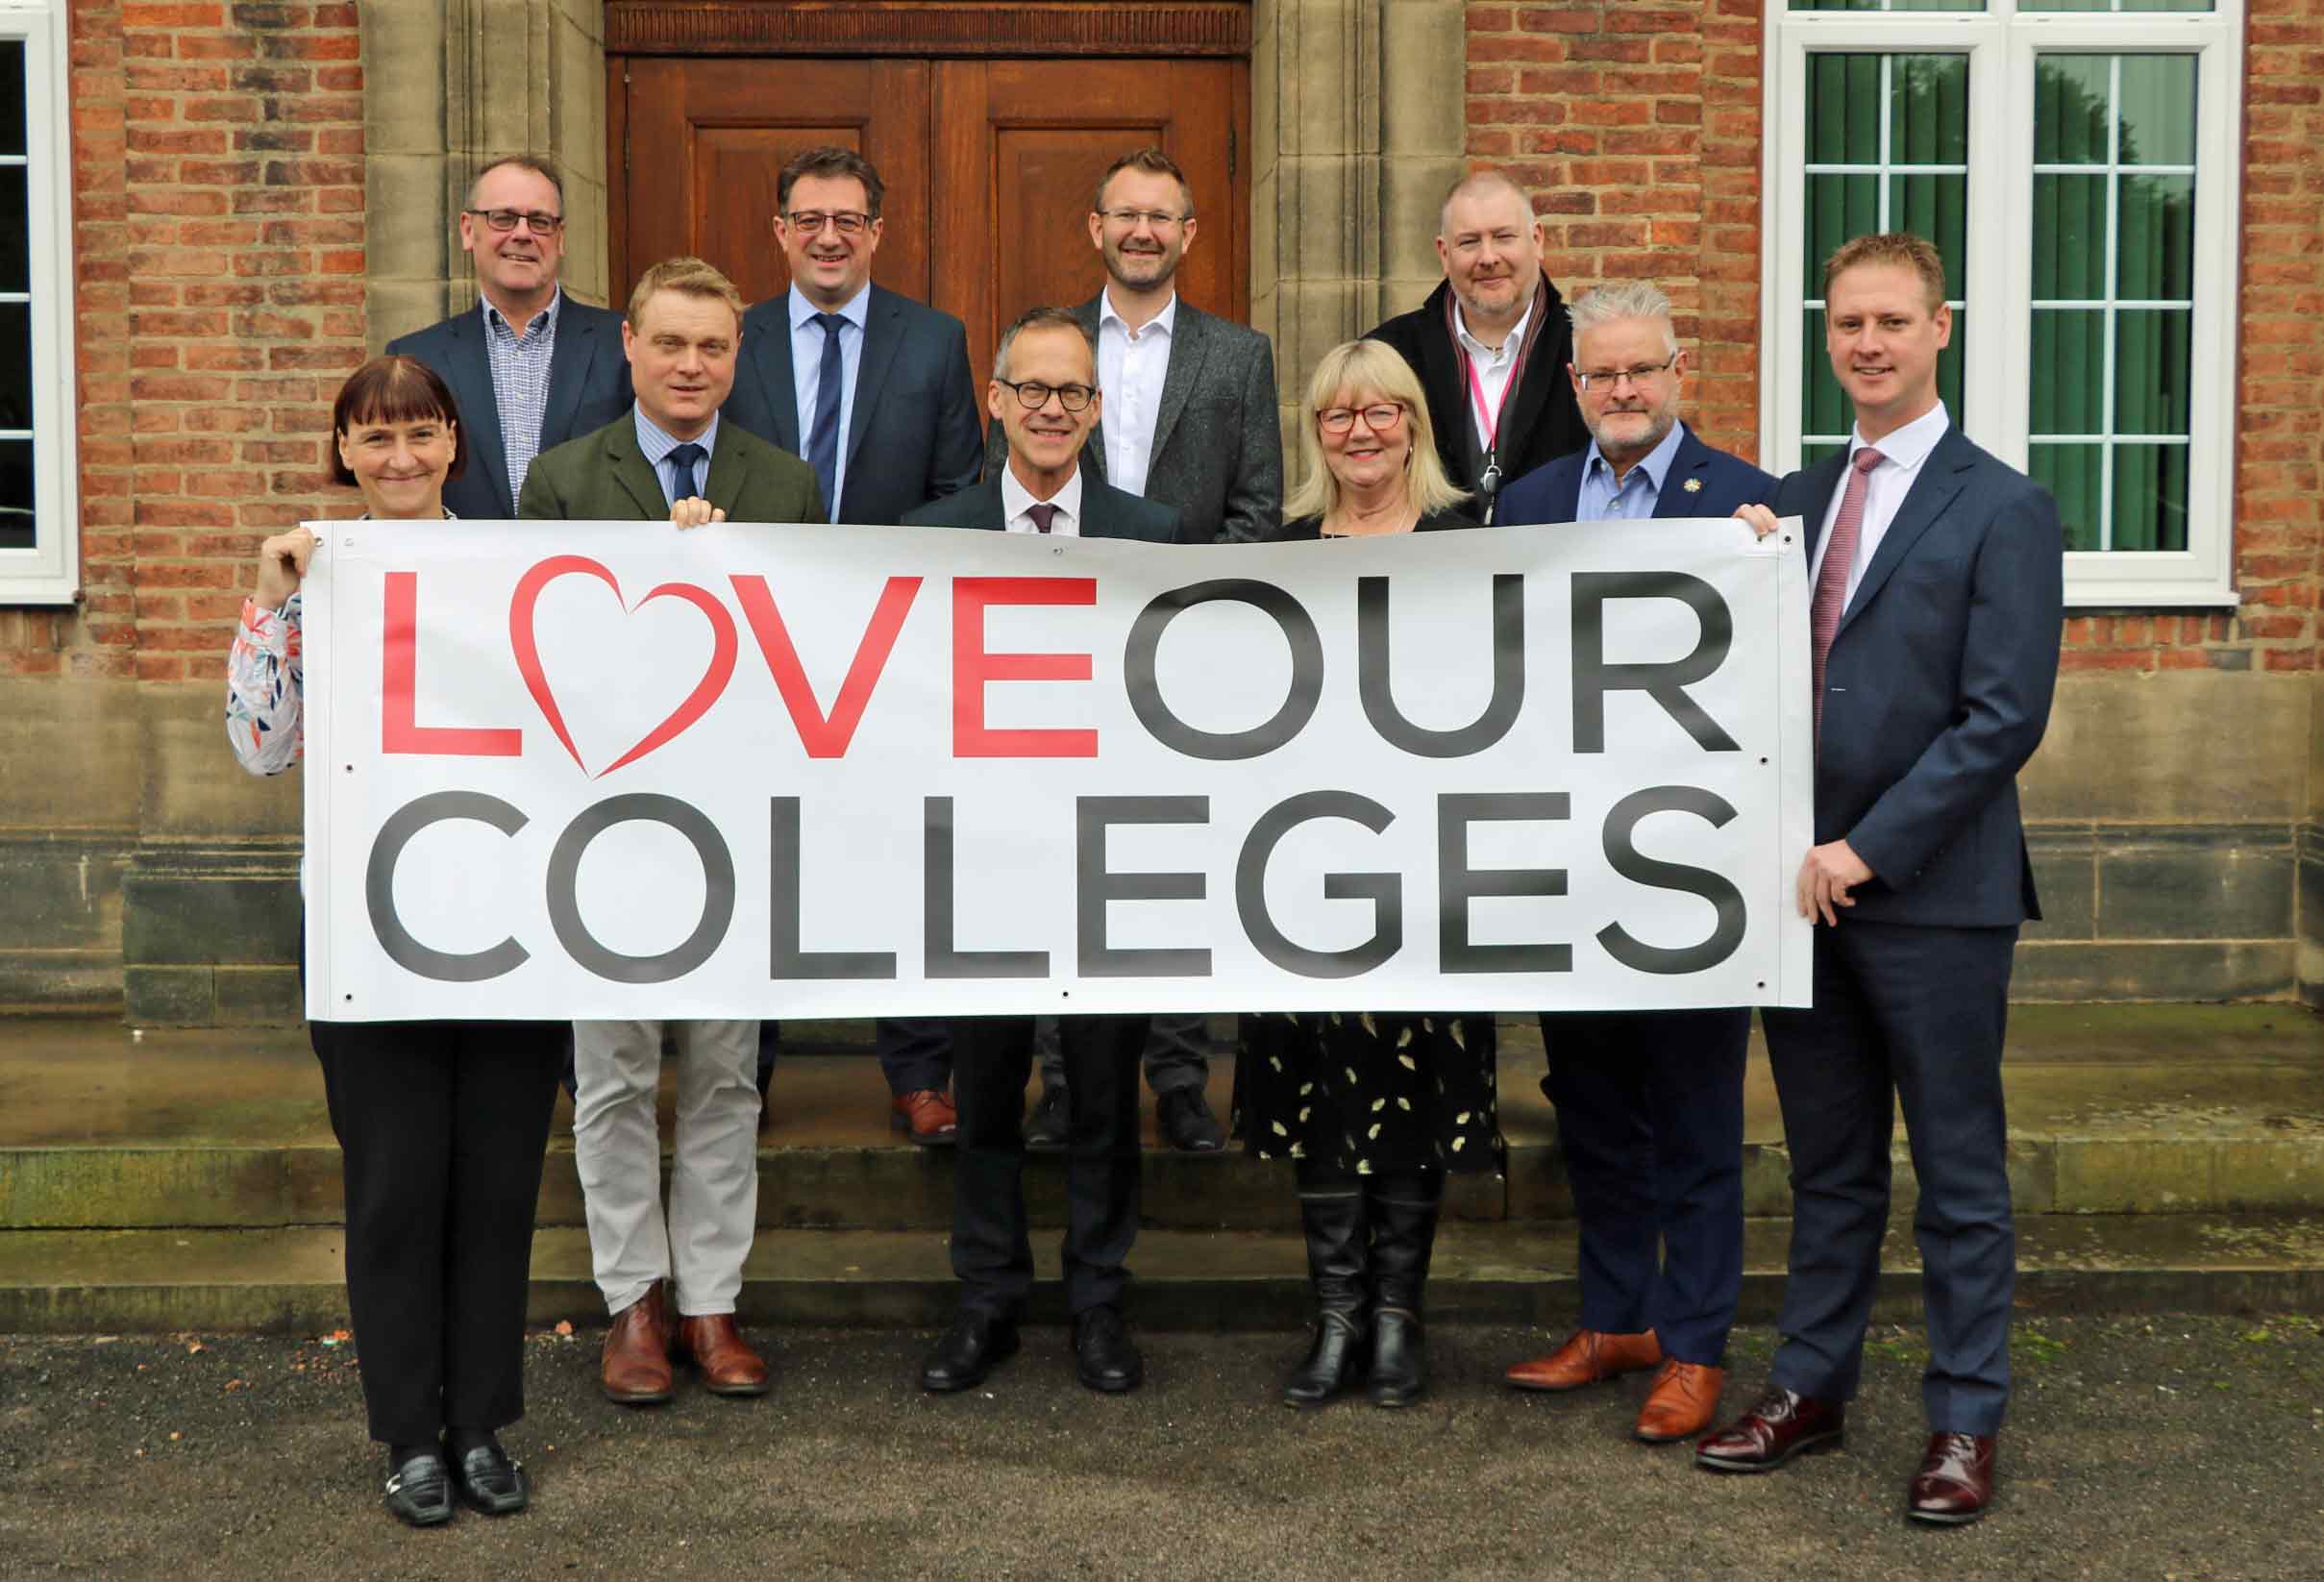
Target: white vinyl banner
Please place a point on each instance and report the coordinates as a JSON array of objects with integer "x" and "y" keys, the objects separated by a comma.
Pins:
[{"x": 617, "y": 770}]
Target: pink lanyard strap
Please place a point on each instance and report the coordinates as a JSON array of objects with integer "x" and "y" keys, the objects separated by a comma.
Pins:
[{"x": 1477, "y": 387}]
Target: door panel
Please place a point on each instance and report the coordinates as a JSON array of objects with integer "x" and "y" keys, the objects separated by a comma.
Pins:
[{"x": 708, "y": 138}]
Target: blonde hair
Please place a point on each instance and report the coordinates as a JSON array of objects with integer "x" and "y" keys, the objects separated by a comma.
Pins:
[
  {"x": 1898, "y": 247},
  {"x": 688, "y": 276},
  {"x": 1369, "y": 365}
]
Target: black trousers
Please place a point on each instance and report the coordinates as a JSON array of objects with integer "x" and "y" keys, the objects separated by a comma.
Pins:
[
  {"x": 992, "y": 1247},
  {"x": 441, "y": 1128}
]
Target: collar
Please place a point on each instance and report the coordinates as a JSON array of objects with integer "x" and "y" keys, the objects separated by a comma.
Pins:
[
  {"x": 657, "y": 442},
  {"x": 1508, "y": 348},
  {"x": 1656, "y": 462},
  {"x": 493, "y": 315},
  {"x": 856, "y": 309},
  {"x": 1165, "y": 321},
  {"x": 1909, "y": 446},
  {"x": 1015, "y": 496}
]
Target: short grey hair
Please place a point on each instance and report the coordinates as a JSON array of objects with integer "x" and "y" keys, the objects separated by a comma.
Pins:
[
  {"x": 1045, "y": 318},
  {"x": 1621, "y": 300}
]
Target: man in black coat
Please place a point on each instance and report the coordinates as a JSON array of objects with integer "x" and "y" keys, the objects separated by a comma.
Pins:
[
  {"x": 1491, "y": 344},
  {"x": 530, "y": 367},
  {"x": 1043, "y": 393}
]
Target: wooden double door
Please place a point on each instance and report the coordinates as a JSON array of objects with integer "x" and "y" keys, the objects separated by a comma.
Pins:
[{"x": 990, "y": 166}]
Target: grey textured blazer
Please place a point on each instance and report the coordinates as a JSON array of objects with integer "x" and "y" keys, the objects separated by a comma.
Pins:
[{"x": 1218, "y": 439}]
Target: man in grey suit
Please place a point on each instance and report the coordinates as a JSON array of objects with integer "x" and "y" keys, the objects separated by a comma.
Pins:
[
  {"x": 874, "y": 391},
  {"x": 530, "y": 367},
  {"x": 1936, "y": 591},
  {"x": 1190, "y": 421}
]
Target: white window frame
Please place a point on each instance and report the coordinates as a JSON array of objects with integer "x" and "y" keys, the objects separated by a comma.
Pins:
[
  {"x": 2001, "y": 43},
  {"x": 49, "y": 573}
]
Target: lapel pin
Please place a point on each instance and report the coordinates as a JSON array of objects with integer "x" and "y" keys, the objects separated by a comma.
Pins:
[{"x": 1692, "y": 485}]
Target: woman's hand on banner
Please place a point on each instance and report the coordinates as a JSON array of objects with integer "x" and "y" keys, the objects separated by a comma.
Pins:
[{"x": 283, "y": 561}]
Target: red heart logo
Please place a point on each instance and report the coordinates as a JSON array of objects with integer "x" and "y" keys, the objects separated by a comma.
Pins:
[{"x": 706, "y": 692}]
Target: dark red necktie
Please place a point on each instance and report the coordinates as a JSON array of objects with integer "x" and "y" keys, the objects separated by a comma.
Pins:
[{"x": 1043, "y": 515}]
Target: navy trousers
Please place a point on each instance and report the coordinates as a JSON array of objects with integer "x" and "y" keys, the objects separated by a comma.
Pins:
[
  {"x": 1912, "y": 1017},
  {"x": 1649, "y": 1116}
]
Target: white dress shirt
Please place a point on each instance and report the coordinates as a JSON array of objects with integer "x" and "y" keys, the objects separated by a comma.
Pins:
[
  {"x": 1885, "y": 485},
  {"x": 1494, "y": 364},
  {"x": 1132, "y": 365},
  {"x": 1016, "y": 498},
  {"x": 806, "y": 369}
]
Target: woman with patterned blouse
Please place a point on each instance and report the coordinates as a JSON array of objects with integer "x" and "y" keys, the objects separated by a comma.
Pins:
[
  {"x": 1371, "y": 1109},
  {"x": 441, "y": 1124}
]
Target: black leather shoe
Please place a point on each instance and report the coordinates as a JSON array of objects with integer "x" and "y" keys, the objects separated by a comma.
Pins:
[
  {"x": 1045, "y": 1127},
  {"x": 488, "y": 1481},
  {"x": 1104, "y": 1355},
  {"x": 419, "y": 1492},
  {"x": 1184, "y": 1119},
  {"x": 967, "y": 1351}
]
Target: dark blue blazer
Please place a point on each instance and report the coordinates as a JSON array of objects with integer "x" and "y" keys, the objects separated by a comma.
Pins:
[
  {"x": 915, "y": 435},
  {"x": 1701, "y": 482},
  {"x": 588, "y": 389},
  {"x": 1106, "y": 512},
  {"x": 1938, "y": 687}
]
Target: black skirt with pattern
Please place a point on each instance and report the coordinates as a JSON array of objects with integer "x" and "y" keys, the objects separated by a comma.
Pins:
[{"x": 1368, "y": 1094}]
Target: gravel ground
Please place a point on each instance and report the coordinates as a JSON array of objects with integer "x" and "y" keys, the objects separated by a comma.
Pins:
[{"x": 2139, "y": 1447}]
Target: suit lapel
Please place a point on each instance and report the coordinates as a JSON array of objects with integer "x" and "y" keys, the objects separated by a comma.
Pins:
[
  {"x": 1692, "y": 460},
  {"x": 730, "y": 472},
  {"x": 984, "y": 505},
  {"x": 470, "y": 377},
  {"x": 1939, "y": 481},
  {"x": 636, "y": 473},
  {"x": 1093, "y": 449},
  {"x": 1822, "y": 479},
  {"x": 1188, "y": 341},
  {"x": 577, "y": 349},
  {"x": 770, "y": 355},
  {"x": 882, "y": 336}
]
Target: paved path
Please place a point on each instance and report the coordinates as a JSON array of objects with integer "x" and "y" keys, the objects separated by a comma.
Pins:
[{"x": 2146, "y": 1447}]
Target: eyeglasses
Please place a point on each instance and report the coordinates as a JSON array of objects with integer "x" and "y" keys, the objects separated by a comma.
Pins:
[
  {"x": 1338, "y": 420},
  {"x": 1159, "y": 219},
  {"x": 848, "y": 222},
  {"x": 1032, "y": 395},
  {"x": 505, "y": 219},
  {"x": 1610, "y": 378}
]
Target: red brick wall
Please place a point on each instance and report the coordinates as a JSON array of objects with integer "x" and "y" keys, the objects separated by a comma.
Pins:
[
  {"x": 218, "y": 237},
  {"x": 1637, "y": 124}
]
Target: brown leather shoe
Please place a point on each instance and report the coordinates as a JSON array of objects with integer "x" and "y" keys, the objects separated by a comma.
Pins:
[
  {"x": 1683, "y": 1400},
  {"x": 727, "y": 1364},
  {"x": 927, "y": 1117},
  {"x": 1780, "y": 1425},
  {"x": 1589, "y": 1357},
  {"x": 635, "y": 1367},
  {"x": 1955, "y": 1483}
]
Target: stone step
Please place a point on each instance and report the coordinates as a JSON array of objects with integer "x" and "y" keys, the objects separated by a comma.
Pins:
[{"x": 289, "y": 1280}]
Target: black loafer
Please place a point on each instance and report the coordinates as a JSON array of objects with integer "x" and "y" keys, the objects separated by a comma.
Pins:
[
  {"x": 968, "y": 1350},
  {"x": 1105, "y": 1356},
  {"x": 1183, "y": 1117},
  {"x": 1045, "y": 1127},
  {"x": 419, "y": 1492},
  {"x": 488, "y": 1481}
]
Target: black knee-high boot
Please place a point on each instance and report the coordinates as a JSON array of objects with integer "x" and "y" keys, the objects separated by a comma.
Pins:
[
  {"x": 1332, "y": 1212},
  {"x": 1402, "y": 1209}
]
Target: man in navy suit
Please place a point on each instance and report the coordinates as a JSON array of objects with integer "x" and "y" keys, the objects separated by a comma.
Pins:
[
  {"x": 1649, "y": 1103},
  {"x": 530, "y": 367},
  {"x": 1936, "y": 591},
  {"x": 1044, "y": 394},
  {"x": 874, "y": 391}
]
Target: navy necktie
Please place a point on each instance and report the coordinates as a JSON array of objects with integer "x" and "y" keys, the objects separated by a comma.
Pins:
[
  {"x": 823, "y": 439},
  {"x": 684, "y": 458}
]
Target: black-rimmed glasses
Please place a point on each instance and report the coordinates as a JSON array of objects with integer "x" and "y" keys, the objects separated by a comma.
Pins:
[
  {"x": 505, "y": 219},
  {"x": 1032, "y": 395},
  {"x": 848, "y": 222}
]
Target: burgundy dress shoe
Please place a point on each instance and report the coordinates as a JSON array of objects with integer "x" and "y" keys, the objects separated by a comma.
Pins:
[
  {"x": 635, "y": 1367},
  {"x": 1589, "y": 1357},
  {"x": 727, "y": 1364},
  {"x": 927, "y": 1117},
  {"x": 1781, "y": 1424},
  {"x": 1955, "y": 1483}
]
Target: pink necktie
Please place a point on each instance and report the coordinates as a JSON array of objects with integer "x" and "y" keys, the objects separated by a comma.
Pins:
[
  {"x": 1043, "y": 515},
  {"x": 1838, "y": 558}
]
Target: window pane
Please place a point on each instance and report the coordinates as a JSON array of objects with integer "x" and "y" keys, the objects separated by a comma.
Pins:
[
  {"x": 2073, "y": 472},
  {"x": 2168, "y": 5},
  {"x": 1810, "y": 455},
  {"x": 1948, "y": 363},
  {"x": 2125, "y": 5},
  {"x": 2070, "y": 95},
  {"x": 2150, "y": 497},
  {"x": 1929, "y": 109},
  {"x": 1843, "y": 109},
  {"x": 2157, "y": 109},
  {"x": 1839, "y": 206},
  {"x": 15, "y": 365},
  {"x": 2153, "y": 366},
  {"x": 1824, "y": 405},
  {"x": 16, "y": 494},
  {"x": 2069, "y": 372},
  {"x": 15, "y": 255},
  {"x": 1888, "y": 5},
  {"x": 2156, "y": 242},
  {"x": 1934, "y": 206},
  {"x": 2070, "y": 239},
  {"x": 11, "y": 96}
]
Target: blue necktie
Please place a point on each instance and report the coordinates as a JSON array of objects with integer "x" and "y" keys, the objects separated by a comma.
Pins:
[
  {"x": 684, "y": 457},
  {"x": 823, "y": 440}
]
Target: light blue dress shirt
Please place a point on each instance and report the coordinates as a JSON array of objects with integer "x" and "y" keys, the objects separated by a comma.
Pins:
[
  {"x": 806, "y": 367},
  {"x": 1640, "y": 488},
  {"x": 658, "y": 444}
]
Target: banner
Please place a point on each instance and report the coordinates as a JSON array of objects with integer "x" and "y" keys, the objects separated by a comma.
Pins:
[{"x": 617, "y": 770}]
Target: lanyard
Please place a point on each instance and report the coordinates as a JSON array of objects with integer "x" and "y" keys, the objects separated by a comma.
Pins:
[{"x": 1491, "y": 420}]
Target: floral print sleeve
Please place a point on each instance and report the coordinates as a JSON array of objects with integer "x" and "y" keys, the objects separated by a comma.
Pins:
[{"x": 265, "y": 688}]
